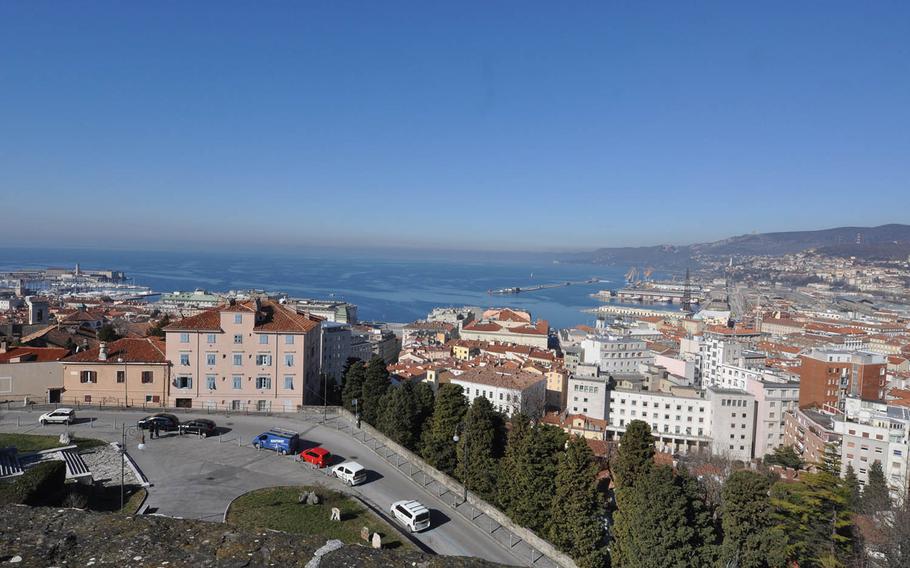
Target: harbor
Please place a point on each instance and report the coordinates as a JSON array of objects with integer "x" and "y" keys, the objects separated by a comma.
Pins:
[{"x": 537, "y": 287}]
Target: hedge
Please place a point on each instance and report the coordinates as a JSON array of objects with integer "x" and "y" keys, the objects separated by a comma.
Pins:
[{"x": 42, "y": 484}]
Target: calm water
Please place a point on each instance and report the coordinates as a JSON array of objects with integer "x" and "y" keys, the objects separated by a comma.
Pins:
[{"x": 385, "y": 289}]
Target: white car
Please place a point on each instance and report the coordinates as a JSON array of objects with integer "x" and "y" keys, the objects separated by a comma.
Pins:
[
  {"x": 411, "y": 514},
  {"x": 351, "y": 473},
  {"x": 59, "y": 416}
]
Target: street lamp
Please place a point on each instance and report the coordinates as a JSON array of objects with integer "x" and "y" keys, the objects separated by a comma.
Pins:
[
  {"x": 455, "y": 438},
  {"x": 356, "y": 412},
  {"x": 132, "y": 431}
]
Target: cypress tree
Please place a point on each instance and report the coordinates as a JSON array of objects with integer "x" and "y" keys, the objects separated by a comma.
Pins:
[
  {"x": 746, "y": 520},
  {"x": 397, "y": 417},
  {"x": 830, "y": 460},
  {"x": 424, "y": 400},
  {"x": 577, "y": 511},
  {"x": 536, "y": 476},
  {"x": 509, "y": 490},
  {"x": 851, "y": 482},
  {"x": 876, "y": 495},
  {"x": 636, "y": 454},
  {"x": 448, "y": 413},
  {"x": 477, "y": 449},
  {"x": 353, "y": 385},
  {"x": 374, "y": 387}
]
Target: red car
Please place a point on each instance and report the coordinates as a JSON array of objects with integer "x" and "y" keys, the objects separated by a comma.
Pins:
[{"x": 317, "y": 457}]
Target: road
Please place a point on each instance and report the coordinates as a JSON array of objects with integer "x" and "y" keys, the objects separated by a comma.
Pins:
[{"x": 197, "y": 478}]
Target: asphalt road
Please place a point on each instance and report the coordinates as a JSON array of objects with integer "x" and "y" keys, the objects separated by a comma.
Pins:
[{"x": 197, "y": 478}]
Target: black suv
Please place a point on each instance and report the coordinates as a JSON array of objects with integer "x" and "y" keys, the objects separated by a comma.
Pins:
[
  {"x": 166, "y": 422},
  {"x": 199, "y": 426}
]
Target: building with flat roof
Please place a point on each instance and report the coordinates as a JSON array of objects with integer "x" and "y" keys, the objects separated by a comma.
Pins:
[{"x": 828, "y": 376}]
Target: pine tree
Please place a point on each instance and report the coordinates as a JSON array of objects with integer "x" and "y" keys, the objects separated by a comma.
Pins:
[
  {"x": 424, "y": 400},
  {"x": 536, "y": 476},
  {"x": 398, "y": 415},
  {"x": 374, "y": 387},
  {"x": 700, "y": 517},
  {"x": 577, "y": 511},
  {"x": 448, "y": 413},
  {"x": 746, "y": 520},
  {"x": 851, "y": 482},
  {"x": 785, "y": 456},
  {"x": 478, "y": 448},
  {"x": 876, "y": 495},
  {"x": 830, "y": 461},
  {"x": 636, "y": 454},
  {"x": 509, "y": 490},
  {"x": 353, "y": 386}
]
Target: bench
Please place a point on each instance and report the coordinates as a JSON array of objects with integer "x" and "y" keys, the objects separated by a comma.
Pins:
[{"x": 9, "y": 463}]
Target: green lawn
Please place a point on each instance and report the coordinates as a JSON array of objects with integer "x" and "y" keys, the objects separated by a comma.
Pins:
[
  {"x": 36, "y": 442},
  {"x": 277, "y": 508}
]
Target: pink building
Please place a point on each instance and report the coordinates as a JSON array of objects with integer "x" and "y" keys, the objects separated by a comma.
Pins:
[{"x": 257, "y": 354}]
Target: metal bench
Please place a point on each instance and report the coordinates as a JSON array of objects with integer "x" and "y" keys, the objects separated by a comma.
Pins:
[
  {"x": 76, "y": 467},
  {"x": 9, "y": 463}
]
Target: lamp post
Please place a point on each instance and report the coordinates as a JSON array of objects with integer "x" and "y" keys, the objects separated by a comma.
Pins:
[
  {"x": 356, "y": 411},
  {"x": 132, "y": 431},
  {"x": 125, "y": 394},
  {"x": 455, "y": 438}
]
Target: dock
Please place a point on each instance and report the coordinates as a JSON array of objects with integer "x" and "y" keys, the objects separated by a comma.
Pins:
[
  {"x": 636, "y": 312},
  {"x": 536, "y": 287}
]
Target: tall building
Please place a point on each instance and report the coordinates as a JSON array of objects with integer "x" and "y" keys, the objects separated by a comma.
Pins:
[
  {"x": 616, "y": 355},
  {"x": 335, "y": 348},
  {"x": 827, "y": 376}
]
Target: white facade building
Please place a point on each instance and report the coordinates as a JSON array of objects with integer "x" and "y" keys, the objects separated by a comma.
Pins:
[
  {"x": 616, "y": 355},
  {"x": 873, "y": 431},
  {"x": 335, "y": 348},
  {"x": 588, "y": 395},
  {"x": 508, "y": 391}
]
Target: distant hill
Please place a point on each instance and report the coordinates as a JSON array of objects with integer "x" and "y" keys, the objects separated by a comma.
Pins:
[{"x": 885, "y": 241}]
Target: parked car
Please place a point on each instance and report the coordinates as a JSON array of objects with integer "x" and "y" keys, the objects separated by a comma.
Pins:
[
  {"x": 166, "y": 422},
  {"x": 59, "y": 416},
  {"x": 199, "y": 426},
  {"x": 351, "y": 473},
  {"x": 411, "y": 514},
  {"x": 282, "y": 441},
  {"x": 318, "y": 457}
]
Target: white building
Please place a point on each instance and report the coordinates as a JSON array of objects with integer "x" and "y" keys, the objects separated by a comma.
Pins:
[
  {"x": 335, "y": 348},
  {"x": 508, "y": 391},
  {"x": 717, "y": 352},
  {"x": 588, "y": 395},
  {"x": 873, "y": 431},
  {"x": 616, "y": 355}
]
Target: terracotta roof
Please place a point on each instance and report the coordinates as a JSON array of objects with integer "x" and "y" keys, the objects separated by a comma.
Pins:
[
  {"x": 494, "y": 376},
  {"x": 129, "y": 349},
  {"x": 279, "y": 318},
  {"x": 33, "y": 354},
  {"x": 209, "y": 320}
]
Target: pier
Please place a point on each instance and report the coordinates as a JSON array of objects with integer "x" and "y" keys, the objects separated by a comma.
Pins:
[
  {"x": 636, "y": 312},
  {"x": 536, "y": 287}
]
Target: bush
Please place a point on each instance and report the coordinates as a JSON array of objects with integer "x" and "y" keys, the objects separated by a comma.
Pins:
[{"x": 42, "y": 484}]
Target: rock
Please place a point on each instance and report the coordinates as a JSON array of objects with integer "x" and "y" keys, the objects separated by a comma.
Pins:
[
  {"x": 377, "y": 540},
  {"x": 365, "y": 534},
  {"x": 65, "y": 438},
  {"x": 15, "y": 559},
  {"x": 314, "y": 499}
]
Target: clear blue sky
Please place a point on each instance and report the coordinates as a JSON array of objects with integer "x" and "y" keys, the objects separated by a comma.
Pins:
[{"x": 476, "y": 125}]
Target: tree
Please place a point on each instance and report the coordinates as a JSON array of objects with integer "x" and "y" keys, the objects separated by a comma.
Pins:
[
  {"x": 374, "y": 387},
  {"x": 636, "y": 454},
  {"x": 479, "y": 449},
  {"x": 424, "y": 401},
  {"x": 700, "y": 517},
  {"x": 398, "y": 414},
  {"x": 784, "y": 456},
  {"x": 353, "y": 385},
  {"x": 108, "y": 333},
  {"x": 509, "y": 491},
  {"x": 577, "y": 511},
  {"x": 746, "y": 520},
  {"x": 448, "y": 413},
  {"x": 851, "y": 482},
  {"x": 536, "y": 476},
  {"x": 830, "y": 461},
  {"x": 157, "y": 330},
  {"x": 895, "y": 535},
  {"x": 876, "y": 495}
]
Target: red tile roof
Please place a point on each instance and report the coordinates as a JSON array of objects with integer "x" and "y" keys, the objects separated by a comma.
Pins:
[
  {"x": 128, "y": 349},
  {"x": 272, "y": 317},
  {"x": 209, "y": 320},
  {"x": 33, "y": 354}
]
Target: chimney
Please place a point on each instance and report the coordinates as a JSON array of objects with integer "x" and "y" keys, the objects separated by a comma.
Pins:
[{"x": 102, "y": 351}]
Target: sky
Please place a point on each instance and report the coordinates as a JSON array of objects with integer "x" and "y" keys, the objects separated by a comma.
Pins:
[{"x": 488, "y": 125}]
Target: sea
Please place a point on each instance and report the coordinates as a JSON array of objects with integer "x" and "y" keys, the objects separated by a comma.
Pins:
[{"x": 399, "y": 286}]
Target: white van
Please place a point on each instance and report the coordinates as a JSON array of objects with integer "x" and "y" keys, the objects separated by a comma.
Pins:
[
  {"x": 411, "y": 514},
  {"x": 59, "y": 416},
  {"x": 351, "y": 473}
]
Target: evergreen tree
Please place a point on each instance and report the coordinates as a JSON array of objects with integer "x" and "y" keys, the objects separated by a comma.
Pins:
[
  {"x": 374, "y": 387},
  {"x": 784, "y": 456},
  {"x": 746, "y": 520},
  {"x": 424, "y": 400},
  {"x": 398, "y": 414},
  {"x": 851, "y": 482},
  {"x": 830, "y": 460},
  {"x": 700, "y": 517},
  {"x": 536, "y": 476},
  {"x": 577, "y": 511},
  {"x": 876, "y": 495},
  {"x": 108, "y": 332},
  {"x": 477, "y": 449},
  {"x": 509, "y": 490},
  {"x": 157, "y": 329},
  {"x": 353, "y": 385},
  {"x": 636, "y": 454},
  {"x": 448, "y": 413}
]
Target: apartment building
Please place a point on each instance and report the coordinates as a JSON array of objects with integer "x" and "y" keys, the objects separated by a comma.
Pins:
[
  {"x": 616, "y": 355},
  {"x": 253, "y": 354},
  {"x": 31, "y": 374},
  {"x": 130, "y": 371},
  {"x": 507, "y": 326},
  {"x": 588, "y": 395},
  {"x": 808, "y": 431},
  {"x": 828, "y": 376},
  {"x": 875, "y": 432},
  {"x": 508, "y": 391},
  {"x": 335, "y": 349}
]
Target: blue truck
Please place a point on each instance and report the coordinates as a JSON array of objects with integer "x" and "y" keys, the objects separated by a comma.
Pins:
[{"x": 278, "y": 439}]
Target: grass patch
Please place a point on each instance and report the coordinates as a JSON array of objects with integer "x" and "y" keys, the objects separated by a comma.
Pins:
[
  {"x": 36, "y": 442},
  {"x": 134, "y": 502},
  {"x": 276, "y": 508}
]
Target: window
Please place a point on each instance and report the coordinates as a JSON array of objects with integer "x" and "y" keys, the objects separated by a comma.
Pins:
[
  {"x": 263, "y": 339},
  {"x": 238, "y": 359},
  {"x": 288, "y": 360},
  {"x": 210, "y": 382},
  {"x": 238, "y": 318},
  {"x": 289, "y": 340},
  {"x": 183, "y": 382},
  {"x": 210, "y": 338},
  {"x": 263, "y": 359},
  {"x": 210, "y": 359},
  {"x": 238, "y": 338},
  {"x": 289, "y": 382},
  {"x": 238, "y": 381},
  {"x": 121, "y": 376},
  {"x": 147, "y": 377},
  {"x": 263, "y": 382},
  {"x": 184, "y": 338},
  {"x": 185, "y": 359},
  {"x": 152, "y": 398},
  {"x": 88, "y": 377}
]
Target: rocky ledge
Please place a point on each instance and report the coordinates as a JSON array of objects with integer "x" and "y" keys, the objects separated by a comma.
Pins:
[{"x": 40, "y": 536}]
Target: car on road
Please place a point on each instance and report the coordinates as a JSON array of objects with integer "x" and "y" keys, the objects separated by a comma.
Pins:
[
  {"x": 278, "y": 439},
  {"x": 317, "y": 457},
  {"x": 58, "y": 416},
  {"x": 198, "y": 426},
  {"x": 165, "y": 422},
  {"x": 411, "y": 514},
  {"x": 351, "y": 473}
]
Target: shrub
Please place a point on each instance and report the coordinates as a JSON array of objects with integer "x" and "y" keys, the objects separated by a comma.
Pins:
[{"x": 42, "y": 484}]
